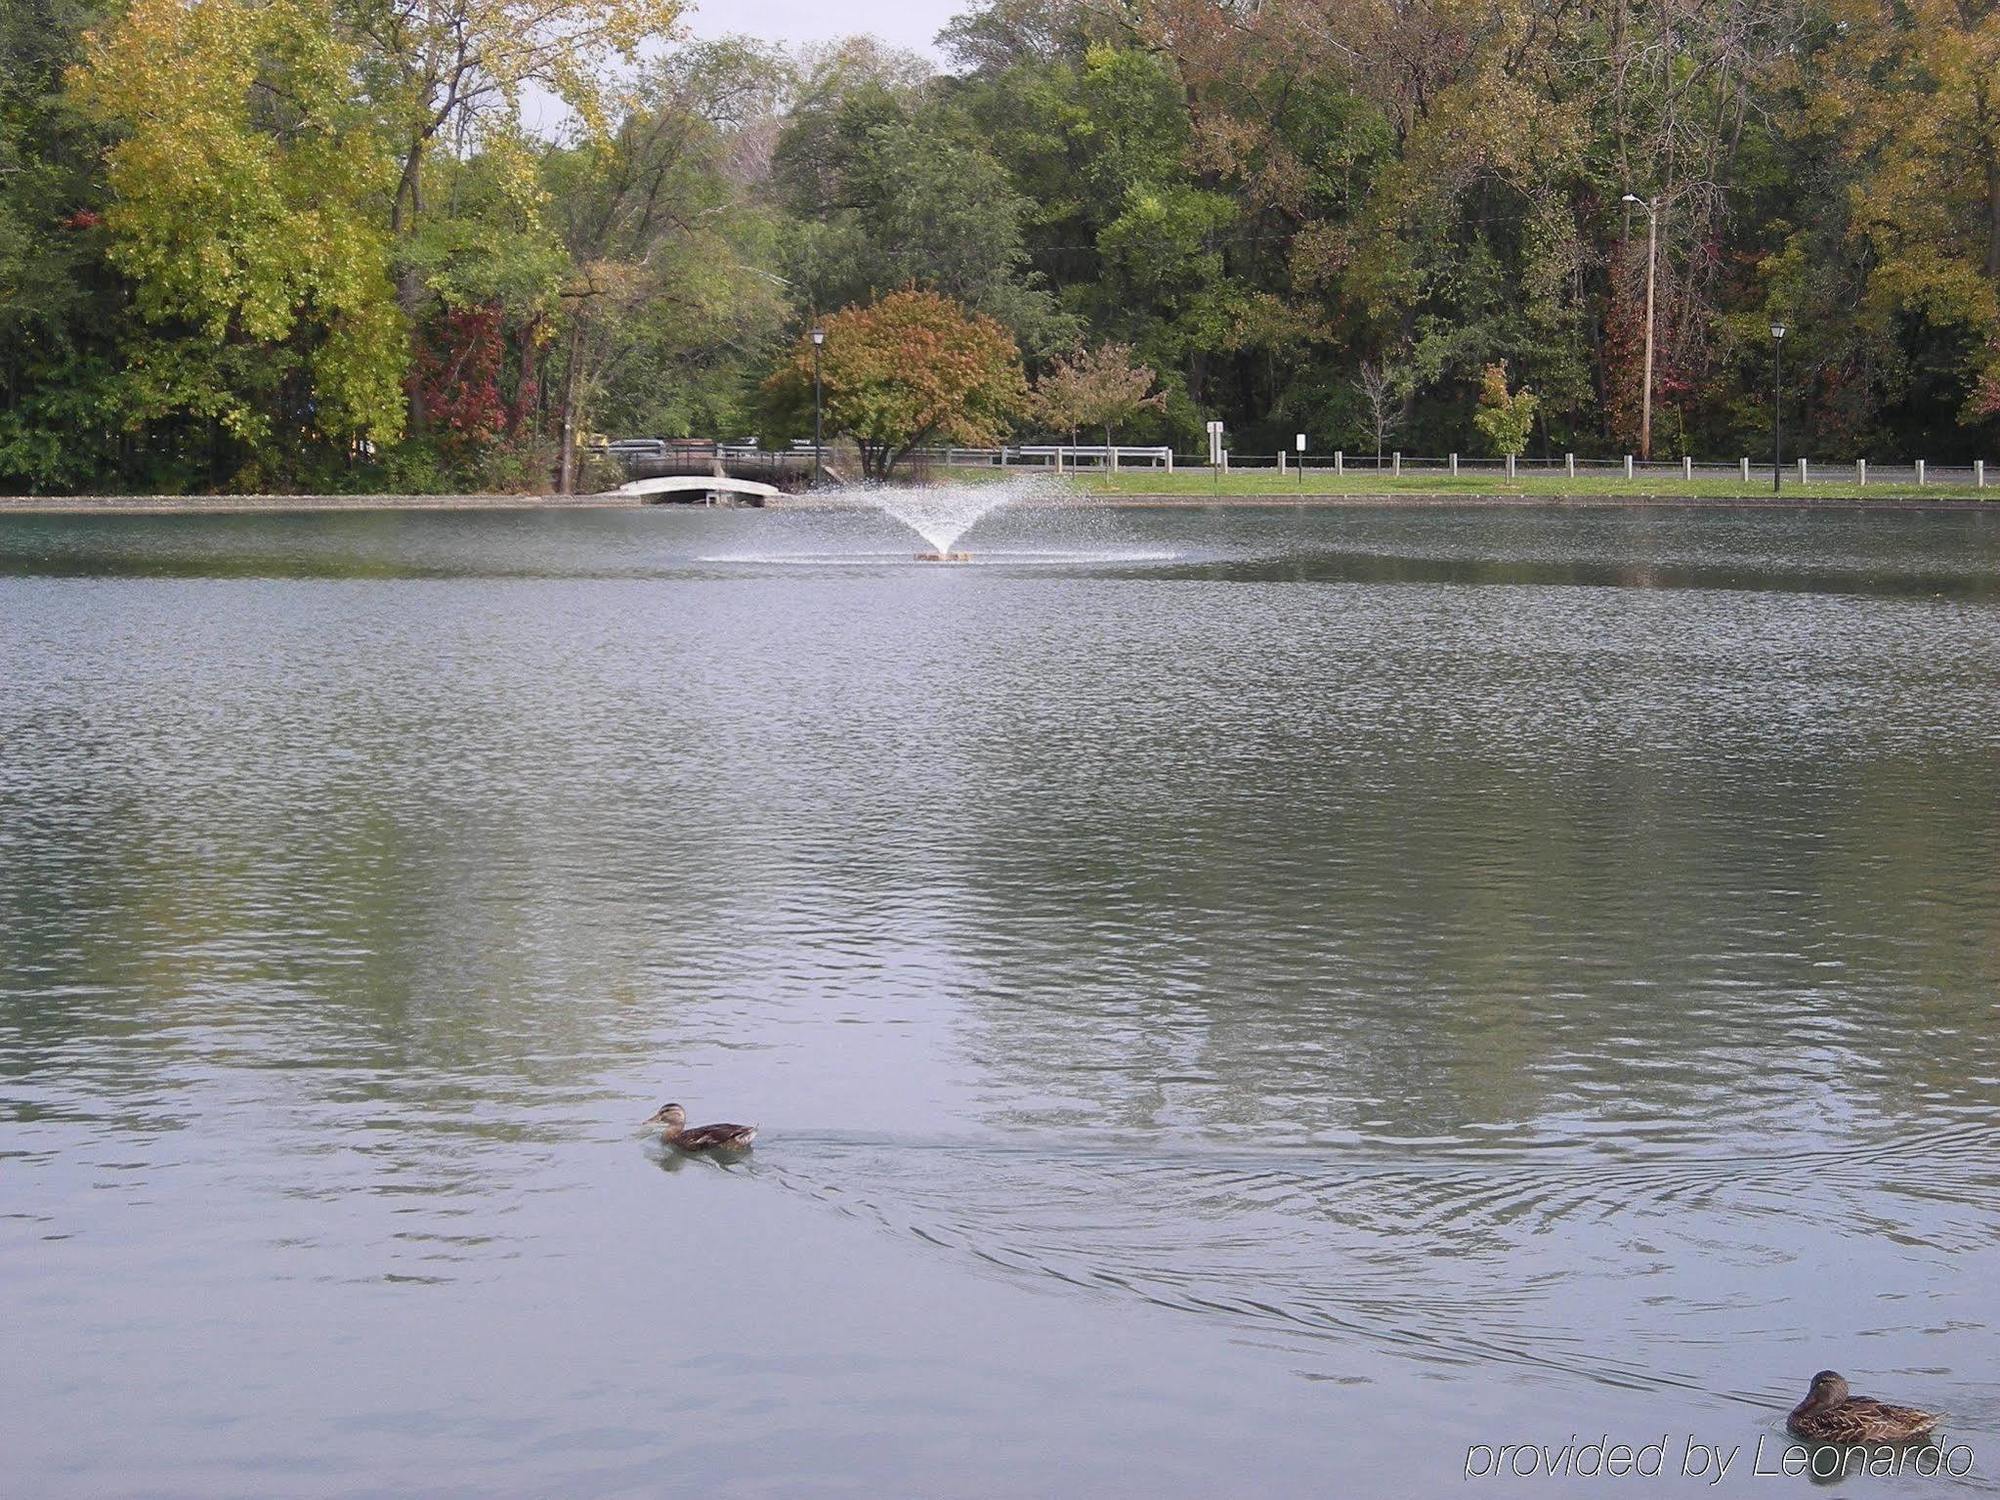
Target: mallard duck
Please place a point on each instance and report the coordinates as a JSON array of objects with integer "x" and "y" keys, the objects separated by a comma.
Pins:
[
  {"x": 703, "y": 1137},
  {"x": 1830, "y": 1415}
]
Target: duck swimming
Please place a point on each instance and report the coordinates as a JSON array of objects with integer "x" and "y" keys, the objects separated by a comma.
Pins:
[
  {"x": 701, "y": 1137},
  {"x": 1830, "y": 1415}
]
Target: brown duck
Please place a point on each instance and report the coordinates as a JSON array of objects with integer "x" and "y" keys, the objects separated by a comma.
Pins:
[
  {"x": 675, "y": 1132},
  {"x": 1830, "y": 1415}
]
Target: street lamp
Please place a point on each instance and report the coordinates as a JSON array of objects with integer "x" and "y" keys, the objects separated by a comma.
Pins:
[
  {"x": 818, "y": 338},
  {"x": 1652, "y": 264},
  {"x": 1777, "y": 406}
]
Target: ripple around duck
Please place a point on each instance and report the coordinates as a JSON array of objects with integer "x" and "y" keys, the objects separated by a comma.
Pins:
[{"x": 1464, "y": 1259}]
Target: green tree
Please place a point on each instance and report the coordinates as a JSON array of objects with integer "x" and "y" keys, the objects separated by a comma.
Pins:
[
  {"x": 61, "y": 409},
  {"x": 893, "y": 189},
  {"x": 664, "y": 298},
  {"x": 226, "y": 240}
]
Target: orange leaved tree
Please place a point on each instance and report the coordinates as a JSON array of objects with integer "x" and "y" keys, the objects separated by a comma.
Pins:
[
  {"x": 913, "y": 368},
  {"x": 1096, "y": 388}
]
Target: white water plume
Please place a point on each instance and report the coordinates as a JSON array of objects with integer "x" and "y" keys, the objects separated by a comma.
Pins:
[{"x": 943, "y": 513}]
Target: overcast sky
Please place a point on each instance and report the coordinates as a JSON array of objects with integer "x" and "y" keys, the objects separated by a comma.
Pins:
[{"x": 910, "y": 23}]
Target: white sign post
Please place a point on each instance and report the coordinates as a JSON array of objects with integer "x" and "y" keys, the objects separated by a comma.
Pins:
[
  {"x": 1215, "y": 445},
  {"x": 1300, "y": 442}
]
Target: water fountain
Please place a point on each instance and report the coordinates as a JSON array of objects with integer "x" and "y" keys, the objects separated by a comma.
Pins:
[
  {"x": 942, "y": 513},
  {"x": 943, "y": 516}
]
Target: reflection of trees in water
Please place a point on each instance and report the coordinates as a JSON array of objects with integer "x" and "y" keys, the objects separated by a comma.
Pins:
[
  {"x": 237, "y": 848},
  {"x": 1395, "y": 858},
  {"x": 1385, "y": 885},
  {"x": 1942, "y": 554}
]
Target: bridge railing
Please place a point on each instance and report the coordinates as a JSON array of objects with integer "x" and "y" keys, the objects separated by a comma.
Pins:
[{"x": 661, "y": 458}]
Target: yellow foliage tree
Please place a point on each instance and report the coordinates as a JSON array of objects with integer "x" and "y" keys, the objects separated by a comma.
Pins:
[
  {"x": 439, "y": 67},
  {"x": 1916, "y": 99},
  {"x": 244, "y": 189}
]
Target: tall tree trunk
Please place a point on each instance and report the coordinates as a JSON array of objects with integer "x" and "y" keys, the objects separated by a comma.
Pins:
[
  {"x": 409, "y": 285},
  {"x": 571, "y": 401},
  {"x": 1992, "y": 214},
  {"x": 1622, "y": 131},
  {"x": 527, "y": 387}
]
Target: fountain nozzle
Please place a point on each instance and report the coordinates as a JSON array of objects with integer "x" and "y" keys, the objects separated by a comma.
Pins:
[{"x": 944, "y": 557}]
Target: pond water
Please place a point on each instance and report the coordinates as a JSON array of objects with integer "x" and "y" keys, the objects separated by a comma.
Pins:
[{"x": 1235, "y": 1000}]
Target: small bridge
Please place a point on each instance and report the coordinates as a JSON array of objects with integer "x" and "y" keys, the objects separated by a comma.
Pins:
[
  {"x": 702, "y": 487},
  {"x": 765, "y": 472}
]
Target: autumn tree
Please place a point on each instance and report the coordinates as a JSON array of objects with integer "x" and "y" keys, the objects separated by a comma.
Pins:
[
  {"x": 243, "y": 184},
  {"x": 1912, "y": 93},
  {"x": 444, "y": 76},
  {"x": 1505, "y": 418},
  {"x": 223, "y": 241},
  {"x": 448, "y": 71},
  {"x": 1103, "y": 387},
  {"x": 911, "y": 369},
  {"x": 1059, "y": 401}
]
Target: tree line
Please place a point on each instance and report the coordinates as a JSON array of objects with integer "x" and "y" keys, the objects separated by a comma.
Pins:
[{"x": 428, "y": 244}]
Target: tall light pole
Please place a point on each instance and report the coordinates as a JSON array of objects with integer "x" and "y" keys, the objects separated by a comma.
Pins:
[
  {"x": 818, "y": 338},
  {"x": 1777, "y": 406},
  {"x": 1652, "y": 267}
]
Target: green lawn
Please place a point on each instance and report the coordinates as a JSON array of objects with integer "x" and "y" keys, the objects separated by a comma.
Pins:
[{"x": 1251, "y": 483}]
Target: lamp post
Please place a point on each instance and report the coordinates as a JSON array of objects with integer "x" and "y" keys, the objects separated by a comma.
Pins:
[
  {"x": 818, "y": 338},
  {"x": 1777, "y": 406},
  {"x": 1652, "y": 265}
]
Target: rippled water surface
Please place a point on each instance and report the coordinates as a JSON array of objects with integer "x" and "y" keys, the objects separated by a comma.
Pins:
[{"x": 1235, "y": 1000}]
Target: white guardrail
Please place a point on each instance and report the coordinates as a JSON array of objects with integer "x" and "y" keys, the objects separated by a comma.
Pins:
[
  {"x": 1038, "y": 455},
  {"x": 1861, "y": 473}
]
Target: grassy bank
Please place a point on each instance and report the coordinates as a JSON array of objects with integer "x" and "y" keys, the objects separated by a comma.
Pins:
[{"x": 1250, "y": 484}]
